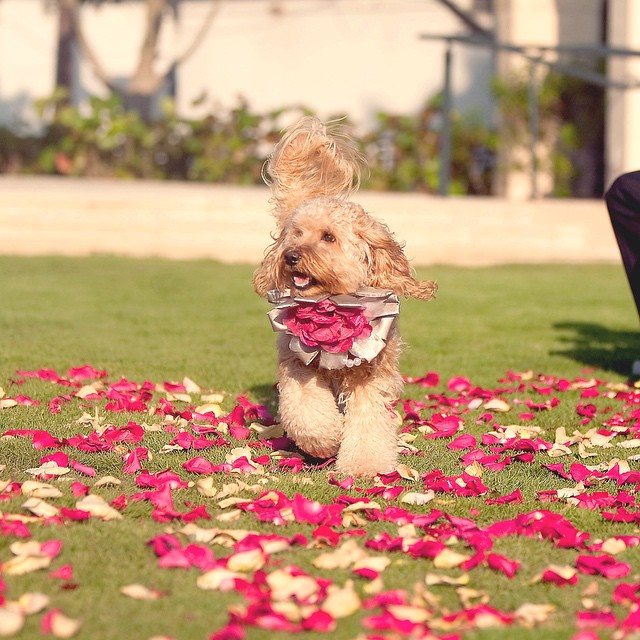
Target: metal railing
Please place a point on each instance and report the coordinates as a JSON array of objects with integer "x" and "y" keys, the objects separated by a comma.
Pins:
[{"x": 536, "y": 56}]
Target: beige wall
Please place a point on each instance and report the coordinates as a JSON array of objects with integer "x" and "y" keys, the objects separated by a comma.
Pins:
[
  {"x": 335, "y": 56},
  {"x": 350, "y": 56},
  {"x": 27, "y": 57}
]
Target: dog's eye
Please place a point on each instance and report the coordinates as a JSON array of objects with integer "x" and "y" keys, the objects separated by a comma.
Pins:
[{"x": 327, "y": 237}]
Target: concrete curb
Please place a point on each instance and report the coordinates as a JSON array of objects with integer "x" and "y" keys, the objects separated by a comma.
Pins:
[{"x": 74, "y": 217}]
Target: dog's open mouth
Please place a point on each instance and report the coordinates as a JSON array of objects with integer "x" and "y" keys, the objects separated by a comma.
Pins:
[{"x": 302, "y": 281}]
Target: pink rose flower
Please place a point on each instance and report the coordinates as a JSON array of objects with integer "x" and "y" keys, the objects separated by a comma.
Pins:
[{"x": 327, "y": 326}]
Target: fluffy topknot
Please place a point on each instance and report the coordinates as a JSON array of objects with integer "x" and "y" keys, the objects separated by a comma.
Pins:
[{"x": 312, "y": 160}]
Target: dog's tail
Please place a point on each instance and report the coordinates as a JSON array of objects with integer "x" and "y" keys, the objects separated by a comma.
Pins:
[{"x": 311, "y": 160}]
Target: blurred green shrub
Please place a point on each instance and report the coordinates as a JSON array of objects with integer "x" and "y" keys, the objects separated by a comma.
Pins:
[
  {"x": 570, "y": 140},
  {"x": 108, "y": 141}
]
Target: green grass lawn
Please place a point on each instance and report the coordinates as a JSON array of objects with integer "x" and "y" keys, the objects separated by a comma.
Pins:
[{"x": 157, "y": 321}]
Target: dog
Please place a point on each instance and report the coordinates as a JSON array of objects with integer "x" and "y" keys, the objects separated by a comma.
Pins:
[{"x": 335, "y": 275}]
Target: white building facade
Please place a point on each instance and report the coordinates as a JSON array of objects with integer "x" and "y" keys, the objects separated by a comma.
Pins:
[{"x": 337, "y": 57}]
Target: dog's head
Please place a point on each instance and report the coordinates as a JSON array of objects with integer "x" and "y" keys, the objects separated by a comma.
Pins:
[
  {"x": 331, "y": 246},
  {"x": 327, "y": 244}
]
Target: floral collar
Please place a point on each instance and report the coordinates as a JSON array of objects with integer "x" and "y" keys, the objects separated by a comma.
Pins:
[{"x": 342, "y": 331}]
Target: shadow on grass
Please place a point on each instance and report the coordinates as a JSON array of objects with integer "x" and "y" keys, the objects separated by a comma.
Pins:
[
  {"x": 599, "y": 347},
  {"x": 266, "y": 394}
]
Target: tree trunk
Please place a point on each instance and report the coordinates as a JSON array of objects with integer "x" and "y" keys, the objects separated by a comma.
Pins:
[
  {"x": 146, "y": 82},
  {"x": 66, "y": 40},
  {"x": 142, "y": 89}
]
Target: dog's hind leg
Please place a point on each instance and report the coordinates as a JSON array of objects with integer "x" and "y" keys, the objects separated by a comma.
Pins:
[{"x": 308, "y": 410}]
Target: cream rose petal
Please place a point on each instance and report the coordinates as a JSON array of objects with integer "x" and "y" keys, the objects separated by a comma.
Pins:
[
  {"x": 40, "y": 508},
  {"x": 98, "y": 507},
  {"x": 433, "y": 579},
  {"x": 342, "y": 602},
  {"x": 417, "y": 498},
  {"x": 218, "y": 579},
  {"x": 11, "y": 621},
  {"x": 20, "y": 565},
  {"x": 449, "y": 559},
  {"x": 497, "y": 404},
  {"x": 39, "y": 489},
  {"x": 413, "y": 614},
  {"x": 49, "y": 468},
  {"x": 345, "y": 555},
  {"x": 33, "y": 602},
  {"x": 374, "y": 563},
  {"x": 284, "y": 586},
  {"x": 246, "y": 561},
  {"x": 140, "y": 592},
  {"x": 62, "y": 626},
  {"x": 530, "y": 615},
  {"x": 107, "y": 481}
]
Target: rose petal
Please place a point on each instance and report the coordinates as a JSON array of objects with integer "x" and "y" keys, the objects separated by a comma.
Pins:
[
  {"x": 140, "y": 592},
  {"x": 11, "y": 621},
  {"x": 59, "y": 625},
  {"x": 98, "y": 507}
]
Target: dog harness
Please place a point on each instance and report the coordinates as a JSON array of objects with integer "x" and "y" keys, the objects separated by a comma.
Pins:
[{"x": 337, "y": 331}]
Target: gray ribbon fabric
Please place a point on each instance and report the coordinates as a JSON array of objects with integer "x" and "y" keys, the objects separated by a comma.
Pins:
[{"x": 380, "y": 307}]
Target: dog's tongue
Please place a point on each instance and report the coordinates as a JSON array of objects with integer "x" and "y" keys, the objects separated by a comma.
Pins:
[{"x": 301, "y": 280}]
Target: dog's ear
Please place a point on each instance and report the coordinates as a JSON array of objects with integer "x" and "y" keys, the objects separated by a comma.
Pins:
[
  {"x": 388, "y": 266},
  {"x": 268, "y": 276}
]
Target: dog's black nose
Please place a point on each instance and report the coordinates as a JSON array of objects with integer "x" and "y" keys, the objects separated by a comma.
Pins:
[{"x": 292, "y": 258}]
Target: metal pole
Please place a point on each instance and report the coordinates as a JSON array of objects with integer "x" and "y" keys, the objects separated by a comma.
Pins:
[
  {"x": 445, "y": 132},
  {"x": 534, "y": 127}
]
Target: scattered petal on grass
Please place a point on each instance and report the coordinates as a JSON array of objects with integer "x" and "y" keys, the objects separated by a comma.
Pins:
[
  {"x": 57, "y": 624},
  {"x": 33, "y": 602},
  {"x": 11, "y": 621},
  {"x": 245, "y": 561},
  {"x": 22, "y": 564},
  {"x": 375, "y": 564},
  {"x": 449, "y": 559},
  {"x": 529, "y": 615},
  {"x": 407, "y": 472},
  {"x": 206, "y": 487},
  {"x": 107, "y": 481},
  {"x": 500, "y": 563},
  {"x": 342, "y": 602},
  {"x": 219, "y": 578},
  {"x": 558, "y": 575},
  {"x": 414, "y": 614},
  {"x": 513, "y": 497},
  {"x": 433, "y": 579},
  {"x": 596, "y": 619},
  {"x": 497, "y": 404},
  {"x": 341, "y": 529},
  {"x": 140, "y": 592},
  {"x": 98, "y": 507},
  {"x": 49, "y": 469},
  {"x": 39, "y": 489},
  {"x": 40, "y": 508},
  {"x": 603, "y": 565},
  {"x": 343, "y": 557},
  {"x": 362, "y": 505},
  {"x": 413, "y": 497},
  {"x": 65, "y": 572},
  {"x": 82, "y": 468},
  {"x": 289, "y": 583}
]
